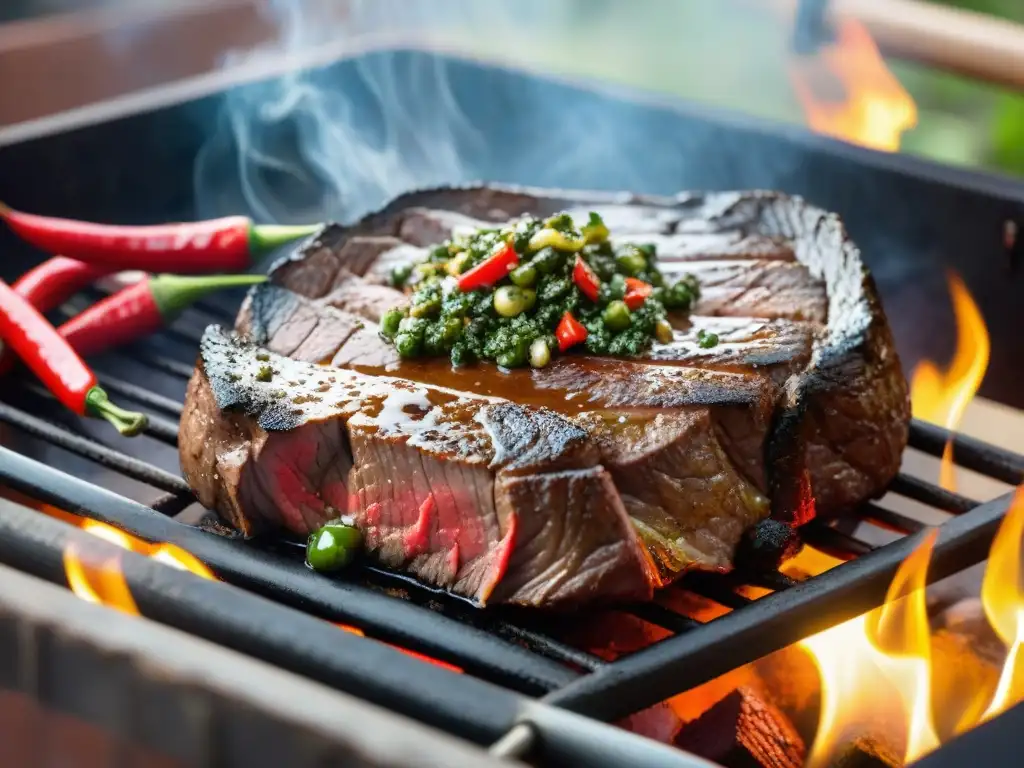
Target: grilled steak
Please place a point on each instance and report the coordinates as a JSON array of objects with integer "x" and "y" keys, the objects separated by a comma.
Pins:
[{"x": 589, "y": 479}]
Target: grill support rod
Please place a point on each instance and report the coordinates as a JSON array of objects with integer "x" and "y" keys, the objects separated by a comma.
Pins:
[
  {"x": 253, "y": 625},
  {"x": 685, "y": 661},
  {"x": 380, "y": 615},
  {"x": 302, "y": 644}
]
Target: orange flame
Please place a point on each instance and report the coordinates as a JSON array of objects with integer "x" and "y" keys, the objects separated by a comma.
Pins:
[
  {"x": 848, "y": 92},
  {"x": 102, "y": 581},
  {"x": 942, "y": 396},
  {"x": 1002, "y": 595},
  {"x": 865, "y": 661}
]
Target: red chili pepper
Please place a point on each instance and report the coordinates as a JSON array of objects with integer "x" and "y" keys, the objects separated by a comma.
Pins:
[
  {"x": 56, "y": 280},
  {"x": 637, "y": 292},
  {"x": 570, "y": 332},
  {"x": 142, "y": 309},
  {"x": 53, "y": 360},
  {"x": 585, "y": 279},
  {"x": 219, "y": 245},
  {"x": 50, "y": 284},
  {"x": 490, "y": 270}
]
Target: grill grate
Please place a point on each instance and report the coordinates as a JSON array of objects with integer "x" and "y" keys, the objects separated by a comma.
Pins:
[{"x": 499, "y": 645}]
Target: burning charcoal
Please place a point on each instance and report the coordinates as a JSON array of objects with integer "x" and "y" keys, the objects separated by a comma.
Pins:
[
  {"x": 744, "y": 730},
  {"x": 966, "y": 618},
  {"x": 791, "y": 681},
  {"x": 659, "y": 723},
  {"x": 767, "y": 545},
  {"x": 867, "y": 753},
  {"x": 964, "y": 678}
]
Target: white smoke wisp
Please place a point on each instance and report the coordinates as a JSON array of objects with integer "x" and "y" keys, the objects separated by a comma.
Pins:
[{"x": 339, "y": 140}]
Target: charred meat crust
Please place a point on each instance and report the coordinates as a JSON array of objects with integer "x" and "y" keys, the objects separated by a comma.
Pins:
[
  {"x": 564, "y": 510},
  {"x": 478, "y": 482},
  {"x": 844, "y": 418}
]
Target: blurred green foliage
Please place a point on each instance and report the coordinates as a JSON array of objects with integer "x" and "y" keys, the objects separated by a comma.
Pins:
[
  {"x": 734, "y": 53},
  {"x": 964, "y": 121}
]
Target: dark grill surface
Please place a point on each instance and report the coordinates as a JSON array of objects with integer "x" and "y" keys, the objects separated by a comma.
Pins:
[{"x": 511, "y": 649}]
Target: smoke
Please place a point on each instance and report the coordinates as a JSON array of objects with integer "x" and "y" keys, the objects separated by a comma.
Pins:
[{"x": 393, "y": 112}]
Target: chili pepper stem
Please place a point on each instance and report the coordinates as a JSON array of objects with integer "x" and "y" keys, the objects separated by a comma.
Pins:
[
  {"x": 267, "y": 237},
  {"x": 174, "y": 293},
  {"x": 128, "y": 423}
]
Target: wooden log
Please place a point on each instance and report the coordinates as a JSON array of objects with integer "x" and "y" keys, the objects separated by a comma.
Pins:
[
  {"x": 790, "y": 680},
  {"x": 744, "y": 730},
  {"x": 867, "y": 753}
]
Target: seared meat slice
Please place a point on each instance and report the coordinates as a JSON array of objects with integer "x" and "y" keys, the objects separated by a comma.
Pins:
[
  {"x": 719, "y": 419},
  {"x": 748, "y": 288},
  {"x": 441, "y": 484},
  {"x": 713, "y": 246},
  {"x": 356, "y": 295},
  {"x": 779, "y": 348},
  {"x": 678, "y": 483}
]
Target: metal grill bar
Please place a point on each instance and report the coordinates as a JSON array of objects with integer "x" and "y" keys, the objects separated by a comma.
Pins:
[
  {"x": 158, "y": 428},
  {"x": 267, "y": 630},
  {"x": 681, "y": 662},
  {"x": 663, "y": 617},
  {"x": 94, "y": 451},
  {"x": 145, "y": 397},
  {"x": 893, "y": 521},
  {"x": 969, "y": 452},
  {"x": 463, "y": 611},
  {"x": 291, "y": 583},
  {"x": 920, "y": 490},
  {"x": 166, "y": 365},
  {"x": 833, "y": 541}
]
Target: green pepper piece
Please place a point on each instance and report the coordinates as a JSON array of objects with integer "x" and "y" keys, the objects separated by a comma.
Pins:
[
  {"x": 332, "y": 547},
  {"x": 616, "y": 316}
]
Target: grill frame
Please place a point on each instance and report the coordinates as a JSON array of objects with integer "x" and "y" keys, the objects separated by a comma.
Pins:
[{"x": 602, "y": 690}]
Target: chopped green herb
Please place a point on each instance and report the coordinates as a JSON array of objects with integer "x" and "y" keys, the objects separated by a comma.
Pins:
[
  {"x": 706, "y": 340},
  {"x": 400, "y": 275},
  {"x": 510, "y": 319},
  {"x": 265, "y": 373}
]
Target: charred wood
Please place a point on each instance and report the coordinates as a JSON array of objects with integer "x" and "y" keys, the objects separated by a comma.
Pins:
[{"x": 744, "y": 730}]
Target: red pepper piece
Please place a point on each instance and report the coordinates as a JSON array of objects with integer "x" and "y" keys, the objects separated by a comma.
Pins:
[
  {"x": 218, "y": 245},
  {"x": 53, "y": 360},
  {"x": 50, "y": 284},
  {"x": 637, "y": 292},
  {"x": 490, "y": 270},
  {"x": 570, "y": 332},
  {"x": 585, "y": 279},
  {"x": 56, "y": 280},
  {"x": 141, "y": 309}
]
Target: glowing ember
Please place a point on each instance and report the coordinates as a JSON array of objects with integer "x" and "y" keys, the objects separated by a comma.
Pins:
[
  {"x": 876, "y": 668},
  {"x": 847, "y": 91},
  {"x": 942, "y": 396},
  {"x": 1002, "y": 594}
]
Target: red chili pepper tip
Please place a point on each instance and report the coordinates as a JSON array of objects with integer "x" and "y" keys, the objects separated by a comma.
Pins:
[
  {"x": 128, "y": 423},
  {"x": 266, "y": 237}
]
